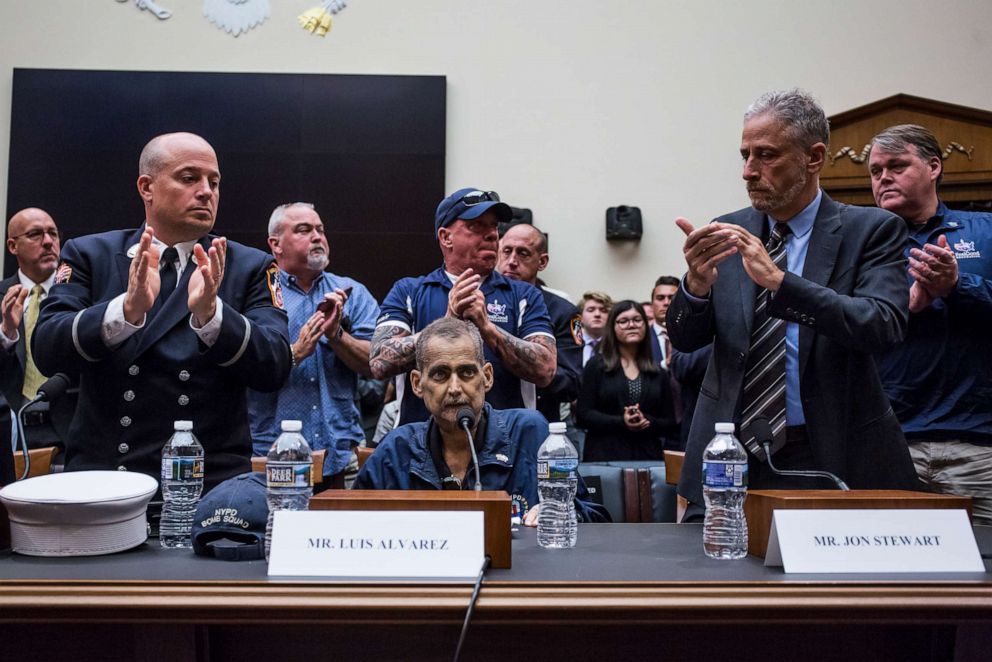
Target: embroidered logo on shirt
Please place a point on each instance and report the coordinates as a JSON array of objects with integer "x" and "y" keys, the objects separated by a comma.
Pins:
[
  {"x": 275, "y": 287},
  {"x": 63, "y": 274},
  {"x": 965, "y": 249},
  {"x": 497, "y": 312}
]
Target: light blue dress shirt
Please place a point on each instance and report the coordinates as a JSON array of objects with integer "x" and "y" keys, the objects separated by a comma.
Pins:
[{"x": 796, "y": 246}]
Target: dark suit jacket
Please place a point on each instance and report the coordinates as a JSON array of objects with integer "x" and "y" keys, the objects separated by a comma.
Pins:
[
  {"x": 12, "y": 364},
  {"x": 851, "y": 301},
  {"x": 564, "y": 387},
  {"x": 129, "y": 396},
  {"x": 600, "y": 411}
]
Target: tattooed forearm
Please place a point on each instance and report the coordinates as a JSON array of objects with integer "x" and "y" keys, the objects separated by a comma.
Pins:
[
  {"x": 392, "y": 352},
  {"x": 534, "y": 359}
]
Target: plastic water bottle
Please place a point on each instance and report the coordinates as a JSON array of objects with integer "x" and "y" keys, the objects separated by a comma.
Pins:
[
  {"x": 287, "y": 475},
  {"x": 182, "y": 483},
  {"x": 725, "y": 489},
  {"x": 557, "y": 480}
]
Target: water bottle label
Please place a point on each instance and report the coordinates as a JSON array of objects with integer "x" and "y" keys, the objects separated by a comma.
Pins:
[
  {"x": 724, "y": 474},
  {"x": 557, "y": 468},
  {"x": 182, "y": 468},
  {"x": 288, "y": 475}
]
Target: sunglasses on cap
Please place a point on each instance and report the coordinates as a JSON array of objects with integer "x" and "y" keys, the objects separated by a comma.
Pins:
[{"x": 473, "y": 199}]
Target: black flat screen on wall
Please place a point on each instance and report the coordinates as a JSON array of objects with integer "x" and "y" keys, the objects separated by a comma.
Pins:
[{"x": 368, "y": 151}]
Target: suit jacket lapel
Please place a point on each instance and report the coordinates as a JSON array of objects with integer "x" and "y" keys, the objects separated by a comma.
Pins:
[
  {"x": 821, "y": 256},
  {"x": 753, "y": 223}
]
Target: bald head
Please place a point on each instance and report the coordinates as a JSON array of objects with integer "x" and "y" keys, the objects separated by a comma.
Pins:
[
  {"x": 159, "y": 150},
  {"x": 179, "y": 182},
  {"x": 523, "y": 253},
  {"x": 33, "y": 238}
]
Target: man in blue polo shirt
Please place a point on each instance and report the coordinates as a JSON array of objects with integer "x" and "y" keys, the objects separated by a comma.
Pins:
[
  {"x": 511, "y": 315},
  {"x": 939, "y": 380},
  {"x": 331, "y": 318}
]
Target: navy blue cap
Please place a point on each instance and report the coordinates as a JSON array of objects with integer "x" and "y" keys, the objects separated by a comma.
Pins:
[
  {"x": 230, "y": 520},
  {"x": 468, "y": 204}
]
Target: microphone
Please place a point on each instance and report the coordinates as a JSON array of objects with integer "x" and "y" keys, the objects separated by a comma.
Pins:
[
  {"x": 762, "y": 431},
  {"x": 51, "y": 390},
  {"x": 466, "y": 419}
]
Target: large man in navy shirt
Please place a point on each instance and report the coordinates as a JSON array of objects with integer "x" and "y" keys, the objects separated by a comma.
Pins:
[
  {"x": 511, "y": 315},
  {"x": 940, "y": 379}
]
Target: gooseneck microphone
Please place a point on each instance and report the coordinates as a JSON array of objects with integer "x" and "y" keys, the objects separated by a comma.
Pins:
[
  {"x": 51, "y": 390},
  {"x": 466, "y": 419},
  {"x": 762, "y": 431}
]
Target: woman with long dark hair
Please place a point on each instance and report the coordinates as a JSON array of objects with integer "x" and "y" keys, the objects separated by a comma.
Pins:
[{"x": 626, "y": 403}]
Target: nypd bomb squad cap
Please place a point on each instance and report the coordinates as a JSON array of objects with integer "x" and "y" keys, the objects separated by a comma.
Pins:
[
  {"x": 78, "y": 513},
  {"x": 230, "y": 520}
]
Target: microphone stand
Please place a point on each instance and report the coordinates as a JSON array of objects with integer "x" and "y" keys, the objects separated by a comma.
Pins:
[
  {"x": 465, "y": 421},
  {"x": 841, "y": 485}
]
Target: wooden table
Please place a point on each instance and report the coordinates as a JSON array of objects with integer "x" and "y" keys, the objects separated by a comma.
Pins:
[{"x": 628, "y": 591}]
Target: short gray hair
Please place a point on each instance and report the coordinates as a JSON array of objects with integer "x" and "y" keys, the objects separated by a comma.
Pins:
[
  {"x": 895, "y": 140},
  {"x": 799, "y": 110},
  {"x": 450, "y": 329},
  {"x": 276, "y": 218}
]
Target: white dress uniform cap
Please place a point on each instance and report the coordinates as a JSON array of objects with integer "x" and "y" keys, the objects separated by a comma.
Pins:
[{"x": 78, "y": 513}]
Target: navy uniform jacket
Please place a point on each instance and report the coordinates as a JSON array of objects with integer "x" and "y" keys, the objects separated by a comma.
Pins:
[
  {"x": 850, "y": 301},
  {"x": 508, "y": 461},
  {"x": 565, "y": 385},
  {"x": 129, "y": 396}
]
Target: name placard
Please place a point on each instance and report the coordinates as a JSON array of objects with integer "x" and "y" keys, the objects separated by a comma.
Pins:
[
  {"x": 399, "y": 544},
  {"x": 854, "y": 541}
]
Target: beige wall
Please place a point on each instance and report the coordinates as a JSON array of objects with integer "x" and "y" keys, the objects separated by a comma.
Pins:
[{"x": 563, "y": 106}]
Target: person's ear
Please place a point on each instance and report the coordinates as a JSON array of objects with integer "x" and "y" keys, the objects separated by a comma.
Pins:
[
  {"x": 936, "y": 167},
  {"x": 817, "y": 157},
  {"x": 145, "y": 187},
  {"x": 444, "y": 237},
  {"x": 487, "y": 376},
  {"x": 415, "y": 384}
]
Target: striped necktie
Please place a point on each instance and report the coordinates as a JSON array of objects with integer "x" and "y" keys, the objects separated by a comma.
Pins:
[
  {"x": 764, "y": 376},
  {"x": 32, "y": 377}
]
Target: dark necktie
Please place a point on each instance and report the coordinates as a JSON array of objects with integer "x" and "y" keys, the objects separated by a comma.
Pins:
[
  {"x": 168, "y": 272},
  {"x": 764, "y": 376}
]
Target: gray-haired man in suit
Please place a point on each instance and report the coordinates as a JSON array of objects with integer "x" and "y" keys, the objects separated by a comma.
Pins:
[{"x": 796, "y": 293}]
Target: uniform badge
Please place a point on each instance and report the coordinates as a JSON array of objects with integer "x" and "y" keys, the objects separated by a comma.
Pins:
[
  {"x": 63, "y": 274},
  {"x": 575, "y": 326},
  {"x": 518, "y": 508},
  {"x": 275, "y": 287}
]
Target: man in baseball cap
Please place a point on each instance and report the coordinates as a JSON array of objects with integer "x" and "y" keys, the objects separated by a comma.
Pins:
[{"x": 511, "y": 315}]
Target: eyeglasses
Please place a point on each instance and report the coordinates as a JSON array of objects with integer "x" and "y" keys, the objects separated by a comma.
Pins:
[
  {"x": 629, "y": 322},
  {"x": 37, "y": 234},
  {"x": 473, "y": 199}
]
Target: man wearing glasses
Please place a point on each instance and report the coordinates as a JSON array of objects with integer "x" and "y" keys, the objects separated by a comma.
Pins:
[
  {"x": 33, "y": 239},
  {"x": 511, "y": 315}
]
